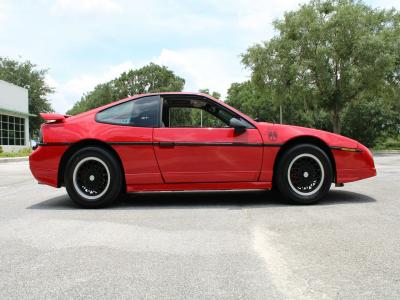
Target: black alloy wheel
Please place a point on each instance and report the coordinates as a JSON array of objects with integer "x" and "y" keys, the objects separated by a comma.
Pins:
[
  {"x": 304, "y": 174},
  {"x": 93, "y": 177}
]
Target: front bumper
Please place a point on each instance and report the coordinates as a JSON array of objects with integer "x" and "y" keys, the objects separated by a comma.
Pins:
[
  {"x": 350, "y": 175},
  {"x": 354, "y": 165}
]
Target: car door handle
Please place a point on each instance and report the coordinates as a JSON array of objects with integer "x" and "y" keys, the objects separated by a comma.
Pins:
[{"x": 166, "y": 144}]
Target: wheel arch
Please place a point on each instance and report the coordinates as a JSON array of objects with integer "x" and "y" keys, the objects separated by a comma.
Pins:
[
  {"x": 307, "y": 139},
  {"x": 73, "y": 148}
]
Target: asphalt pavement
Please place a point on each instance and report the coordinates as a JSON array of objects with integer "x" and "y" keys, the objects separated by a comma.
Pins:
[{"x": 205, "y": 245}]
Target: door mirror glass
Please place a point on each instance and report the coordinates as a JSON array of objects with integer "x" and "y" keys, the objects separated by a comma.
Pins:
[{"x": 238, "y": 125}]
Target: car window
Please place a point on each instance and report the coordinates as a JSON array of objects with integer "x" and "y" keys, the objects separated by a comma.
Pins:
[
  {"x": 143, "y": 112},
  {"x": 196, "y": 113},
  {"x": 193, "y": 117},
  {"x": 118, "y": 114}
]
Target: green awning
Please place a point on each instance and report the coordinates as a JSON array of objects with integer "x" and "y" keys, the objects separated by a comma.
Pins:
[{"x": 17, "y": 113}]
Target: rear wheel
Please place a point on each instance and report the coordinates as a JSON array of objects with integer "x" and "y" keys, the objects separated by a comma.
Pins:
[
  {"x": 304, "y": 174},
  {"x": 93, "y": 177}
]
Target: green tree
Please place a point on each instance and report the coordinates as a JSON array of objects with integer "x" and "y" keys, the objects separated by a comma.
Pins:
[
  {"x": 368, "y": 120},
  {"x": 214, "y": 94},
  {"x": 26, "y": 75},
  {"x": 148, "y": 79},
  {"x": 328, "y": 56},
  {"x": 246, "y": 98}
]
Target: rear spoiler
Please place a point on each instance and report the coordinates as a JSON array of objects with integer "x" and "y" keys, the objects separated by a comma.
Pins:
[{"x": 54, "y": 118}]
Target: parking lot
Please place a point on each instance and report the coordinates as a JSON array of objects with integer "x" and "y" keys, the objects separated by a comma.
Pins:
[{"x": 221, "y": 245}]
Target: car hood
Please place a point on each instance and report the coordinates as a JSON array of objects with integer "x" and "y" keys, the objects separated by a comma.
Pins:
[{"x": 280, "y": 133}]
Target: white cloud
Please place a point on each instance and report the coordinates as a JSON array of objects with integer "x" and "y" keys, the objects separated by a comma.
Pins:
[
  {"x": 200, "y": 67},
  {"x": 253, "y": 19},
  {"x": 204, "y": 68},
  {"x": 70, "y": 91},
  {"x": 4, "y": 7},
  {"x": 199, "y": 40},
  {"x": 386, "y": 4},
  {"x": 86, "y": 6}
]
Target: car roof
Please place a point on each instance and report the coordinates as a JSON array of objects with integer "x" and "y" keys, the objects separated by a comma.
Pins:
[
  {"x": 100, "y": 108},
  {"x": 156, "y": 94},
  {"x": 168, "y": 93},
  {"x": 95, "y": 110}
]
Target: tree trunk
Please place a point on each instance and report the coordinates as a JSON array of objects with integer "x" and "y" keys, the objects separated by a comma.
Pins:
[
  {"x": 336, "y": 120},
  {"x": 337, "y": 98}
]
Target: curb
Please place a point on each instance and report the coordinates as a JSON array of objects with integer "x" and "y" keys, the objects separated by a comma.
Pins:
[{"x": 13, "y": 159}]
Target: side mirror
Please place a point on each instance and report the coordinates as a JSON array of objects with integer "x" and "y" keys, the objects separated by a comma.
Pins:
[
  {"x": 34, "y": 144},
  {"x": 238, "y": 125}
]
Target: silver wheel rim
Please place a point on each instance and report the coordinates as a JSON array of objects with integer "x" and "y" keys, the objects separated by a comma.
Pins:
[
  {"x": 313, "y": 178},
  {"x": 85, "y": 191}
]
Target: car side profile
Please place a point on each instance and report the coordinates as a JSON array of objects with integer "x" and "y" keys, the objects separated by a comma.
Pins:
[{"x": 189, "y": 141}]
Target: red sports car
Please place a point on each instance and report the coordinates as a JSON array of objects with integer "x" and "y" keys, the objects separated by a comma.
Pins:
[{"x": 188, "y": 141}]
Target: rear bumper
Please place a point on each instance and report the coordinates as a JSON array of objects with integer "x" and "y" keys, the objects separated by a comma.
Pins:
[
  {"x": 44, "y": 176},
  {"x": 44, "y": 163}
]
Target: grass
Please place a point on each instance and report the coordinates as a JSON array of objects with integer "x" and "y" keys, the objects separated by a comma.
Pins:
[
  {"x": 20, "y": 153},
  {"x": 388, "y": 144}
]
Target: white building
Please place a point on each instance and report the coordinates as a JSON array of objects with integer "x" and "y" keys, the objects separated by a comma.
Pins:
[{"x": 14, "y": 117}]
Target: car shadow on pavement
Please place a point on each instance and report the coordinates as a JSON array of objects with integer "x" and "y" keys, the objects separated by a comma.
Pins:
[{"x": 205, "y": 199}]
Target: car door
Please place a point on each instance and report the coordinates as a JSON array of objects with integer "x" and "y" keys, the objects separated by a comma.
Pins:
[
  {"x": 128, "y": 129},
  {"x": 198, "y": 146}
]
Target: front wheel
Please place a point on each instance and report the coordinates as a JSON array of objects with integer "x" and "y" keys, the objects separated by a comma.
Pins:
[
  {"x": 93, "y": 177},
  {"x": 304, "y": 174}
]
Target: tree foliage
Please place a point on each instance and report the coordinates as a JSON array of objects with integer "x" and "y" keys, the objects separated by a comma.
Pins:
[
  {"x": 148, "y": 79},
  {"x": 331, "y": 60},
  {"x": 214, "y": 94},
  {"x": 26, "y": 75},
  {"x": 247, "y": 98}
]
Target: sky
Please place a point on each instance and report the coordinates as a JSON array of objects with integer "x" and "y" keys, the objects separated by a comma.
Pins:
[{"x": 86, "y": 42}]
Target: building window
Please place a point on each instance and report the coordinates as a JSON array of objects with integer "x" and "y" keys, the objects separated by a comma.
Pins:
[{"x": 12, "y": 130}]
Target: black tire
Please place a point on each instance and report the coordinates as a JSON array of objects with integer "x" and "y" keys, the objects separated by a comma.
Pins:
[
  {"x": 304, "y": 174},
  {"x": 93, "y": 177}
]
